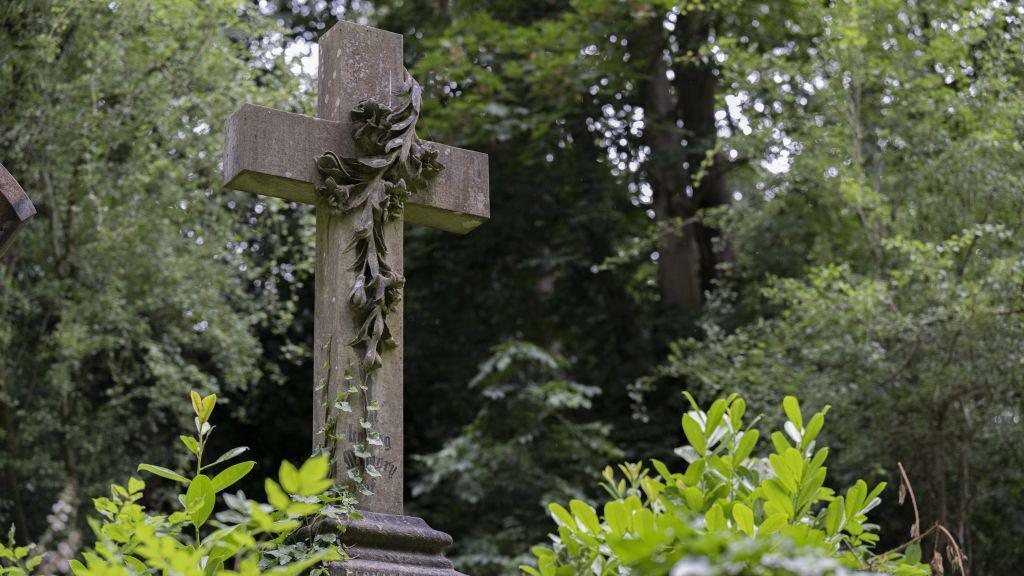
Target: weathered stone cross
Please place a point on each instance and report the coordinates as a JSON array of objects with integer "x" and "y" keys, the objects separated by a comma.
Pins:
[{"x": 275, "y": 153}]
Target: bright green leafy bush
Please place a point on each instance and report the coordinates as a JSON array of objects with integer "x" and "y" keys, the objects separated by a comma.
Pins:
[
  {"x": 17, "y": 560},
  {"x": 728, "y": 512},
  {"x": 245, "y": 538}
]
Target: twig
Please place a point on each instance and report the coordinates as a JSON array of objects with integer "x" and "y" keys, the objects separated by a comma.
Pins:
[
  {"x": 915, "y": 530},
  {"x": 917, "y": 538}
]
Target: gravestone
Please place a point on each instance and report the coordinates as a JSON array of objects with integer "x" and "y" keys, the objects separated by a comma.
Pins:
[
  {"x": 15, "y": 209},
  {"x": 361, "y": 163}
]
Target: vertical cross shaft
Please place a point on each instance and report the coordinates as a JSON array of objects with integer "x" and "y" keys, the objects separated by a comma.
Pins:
[{"x": 356, "y": 63}]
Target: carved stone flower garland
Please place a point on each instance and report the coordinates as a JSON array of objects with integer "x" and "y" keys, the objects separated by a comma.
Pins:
[{"x": 393, "y": 164}]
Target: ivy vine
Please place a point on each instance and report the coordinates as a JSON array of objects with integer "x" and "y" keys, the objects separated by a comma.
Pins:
[{"x": 393, "y": 164}]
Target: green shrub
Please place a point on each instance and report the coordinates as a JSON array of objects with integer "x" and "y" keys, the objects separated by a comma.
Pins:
[
  {"x": 245, "y": 538},
  {"x": 729, "y": 512}
]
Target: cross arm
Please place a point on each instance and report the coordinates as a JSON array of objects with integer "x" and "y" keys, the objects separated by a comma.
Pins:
[
  {"x": 272, "y": 152},
  {"x": 15, "y": 208}
]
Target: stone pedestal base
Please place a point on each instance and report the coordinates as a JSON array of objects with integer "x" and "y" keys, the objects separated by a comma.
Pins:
[{"x": 391, "y": 545}]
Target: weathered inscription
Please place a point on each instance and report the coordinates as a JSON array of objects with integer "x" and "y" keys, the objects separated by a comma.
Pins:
[
  {"x": 360, "y": 436},
  {"x": 386, "y": 468}
]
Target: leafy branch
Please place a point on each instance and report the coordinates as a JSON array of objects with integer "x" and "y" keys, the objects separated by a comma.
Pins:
[{"x": 201, "y": 496}]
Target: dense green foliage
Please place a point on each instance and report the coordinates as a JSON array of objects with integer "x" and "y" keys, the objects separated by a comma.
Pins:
[
  {"x": 921, "y": 357},
  {"x": 503, "y": 459},
  {"x": 882, "y": 272},
  {"x": 813, "y": 198},
  {"x": 730, "y": 512}
]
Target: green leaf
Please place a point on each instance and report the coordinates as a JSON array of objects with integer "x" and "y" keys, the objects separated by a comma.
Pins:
[
  {"x": 913, "y": 552},
  {"x": 746, "y": 445},
  {"x": 616, "y": 516},
  {"x": 162, "y": 472},
  {"x": 694, "y": 435},
  {"x": 876, "y": 492},
  {"x": 693, "y": 402},
  {"x": 231, "y": 475},
  {"x": 135, "y": 485},
  {"x": 813, "y": 428},
  {"x": 662, "y": 469},
  {"x": 715, "y": 518},
  {"x": 819, "y": 458},
  {"x": 191, "y": 443},
  {"x": 779, "y": 442},
  {"x": 772, "y": 524},
  {"x": 289, "y": 477},
  {"x": 808, "y": 494},
  {"x": 784, "y": 474},
  {"x": 200, "y": 499},
  {"x": 744, "y": 517},
  {"x": 777, "y": 494},
  {"x": 694, "y": 498},
  {"x": 586, "y": 516},
  {"x": 197, "y": 403},
  {"x": 835, "y": 518},
  {"x": 562, "y": 516},
  {"x": 855, "y": 498},
  {"x": 209, "y": 403},
  {"x": 228, "y": 456},
  {"x": 794, "y": 460},
  {"x": 314, "y": 476},
  {"x": 715, "y": 414},
  {"x": 275, "y": 495},
  {"x": 792, "y": 408},
  {"x": 736, "y": 411}
]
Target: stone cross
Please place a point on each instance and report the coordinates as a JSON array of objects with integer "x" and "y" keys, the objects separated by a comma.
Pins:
[
  {"x": 15, "y": 209},
  {"x": 274, "y": 153}
]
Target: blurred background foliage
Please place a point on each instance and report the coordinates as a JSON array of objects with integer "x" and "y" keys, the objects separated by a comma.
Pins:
[{"x": 821, "y": 199}]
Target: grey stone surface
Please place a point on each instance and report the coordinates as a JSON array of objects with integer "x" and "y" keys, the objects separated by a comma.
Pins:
[
  {"x": 271, "y": 152},
  {"x": 357, "y": 62},
  {"x": 15, "y": 209},
  {"x": 390, "y": 545}
]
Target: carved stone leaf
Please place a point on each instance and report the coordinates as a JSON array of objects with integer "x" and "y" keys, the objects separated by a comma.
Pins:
[
  {"x": 365, "y": 168},
  {"x": 404, "y": 123},
  {"x": 394, "y": 144},
  {"x": 329, "y": 164},
  {"x": 415, "y": 96}
]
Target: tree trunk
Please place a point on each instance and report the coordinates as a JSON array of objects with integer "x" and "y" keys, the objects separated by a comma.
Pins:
[{"x": 680, "y": 130}]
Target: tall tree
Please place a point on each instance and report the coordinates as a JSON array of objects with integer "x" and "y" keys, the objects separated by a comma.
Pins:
[
  {"x": 132, "y": 286},
  {"x": 879, "y": 257}
]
